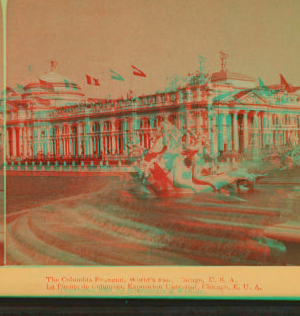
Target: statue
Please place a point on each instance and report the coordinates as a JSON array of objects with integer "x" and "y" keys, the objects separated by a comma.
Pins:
[{"x": 224, "y": 61}]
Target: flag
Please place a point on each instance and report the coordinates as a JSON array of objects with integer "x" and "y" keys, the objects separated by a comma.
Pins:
[
  {"x": 89, "y": 80},
  {"x": 117, "y": 77},
  {"x": 137, "y": 72},
  {"x": 29, "y": 69},
  {"x": 96, "y": 80},
  {"x": 54, "y": 64},
  {"x": 222, "y": 54},
  {"x": 70, "y": 84},
  {"x": 129, "y": 95}
]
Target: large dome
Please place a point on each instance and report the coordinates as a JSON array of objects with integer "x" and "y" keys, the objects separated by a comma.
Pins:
[
  {"x": 53, "y": 86},
  {"x": 53, "y": 77}
]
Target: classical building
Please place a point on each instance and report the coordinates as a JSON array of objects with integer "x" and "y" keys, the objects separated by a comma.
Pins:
[{"x": 51, "y": 120}]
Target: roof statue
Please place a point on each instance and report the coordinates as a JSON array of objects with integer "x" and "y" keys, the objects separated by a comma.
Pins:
[
  {"x": 224, "y": 61},
  {"x": 54, "y": 65}
]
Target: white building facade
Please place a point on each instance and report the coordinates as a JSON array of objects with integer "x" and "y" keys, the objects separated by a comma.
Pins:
[{"x": 228, "y": 115}]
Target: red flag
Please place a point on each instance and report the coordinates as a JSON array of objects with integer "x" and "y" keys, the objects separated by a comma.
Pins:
[
  {"x": 54, "y": 65},
  {"x": 96, "y": 80},
  {"x": 138, "y": 72},
  {"x": 88, "y": 79}
]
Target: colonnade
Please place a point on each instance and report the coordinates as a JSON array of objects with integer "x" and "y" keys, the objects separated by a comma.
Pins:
[
  {"x": 223, "y": 130},
  {"x": 242, "y": 131}
]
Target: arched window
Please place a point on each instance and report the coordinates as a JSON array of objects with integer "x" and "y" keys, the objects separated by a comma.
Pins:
[
  {"x": 65, "y": 130},
  {"x": 56, "y": 130},
  {"x": 145, "y": 123},
  {"x": 107, "y": 126},
  {"x": 158, "y": 121},
  {"x": 119, "y": 125},
  {"x": 96, "y": 128},
  {"x": 172, "y": 119},
  {"x": 74, "y": 130}
]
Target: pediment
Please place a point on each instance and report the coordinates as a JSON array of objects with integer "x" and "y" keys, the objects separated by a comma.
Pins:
[{"x": 253, "y": 98}]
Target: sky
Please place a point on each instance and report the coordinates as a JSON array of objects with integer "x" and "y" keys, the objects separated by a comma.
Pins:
[{"x": 160, "y": 37}]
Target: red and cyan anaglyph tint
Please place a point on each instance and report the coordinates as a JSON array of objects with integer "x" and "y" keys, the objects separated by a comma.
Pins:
[{"x": 202, "y": 171}]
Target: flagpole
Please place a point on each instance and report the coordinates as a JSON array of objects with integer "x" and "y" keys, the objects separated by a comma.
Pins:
[{"x": 134, "y": 100}]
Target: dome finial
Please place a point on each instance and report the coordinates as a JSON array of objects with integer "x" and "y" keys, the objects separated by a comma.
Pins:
[
  {"x": 224, "y": 61},
  {"x": 54, "y": 65}
]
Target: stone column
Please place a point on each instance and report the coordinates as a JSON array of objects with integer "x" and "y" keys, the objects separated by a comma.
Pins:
[
  {"x": 14, "y": 142},
  {"x": 51, "y": 139},
  {"x": 100, "y": 138},
  {"x": 60, "y": 141},
  {"x": 20, "y": 141},
  {"x": 79, "y": 138},
  {"x": 8, "y": 153},
  {"x": 199, "y": 95},
  {"x": 86, "y": 138},
  {"x": 284, "y": 129},
  {"x": 130, "y": 128},
  {"x": 210, "y": 132},
  {"x": 235, "y": 132},
  {"x": 48, "y": 140},
  {"x": 29, "y": 141},
  {"x": 116, "y": 144},
  {"x": 213, "y": 137},
  {"x": 246, "y": 132},
  {"x": 112, "y": 137},
  {"x": 188, "y": 117},
  {"x": 83, "y": 139},
  {"x": 152, "y": 132},
  {"x": 134, "y": 125},
  {"x": 221, "y": 130},
  {"x": 36, "y": 141},
  {"x": 276, "y": 130},
  {"x": 199, "y": 123},
  {"x": 25, "y": 141},
  {"x": 107, "y": 143},
  {"x": 270, "y": 119},
  {"x": 225, "y": 131},
  {"x": 255, "y": 125},
  {"x": 90, "y": 127},
  {"x": 97, "y": 144},
  {"x": 298, "y": 127},
  {"x": 94, "y": 145},
  {"x": 104, "y": 144},
  {"x": 69, "y": 143},
  {"x": 260, "y": 130},
  {"x": 199, "y": 126},
  {"x": 61, "y": 146}
]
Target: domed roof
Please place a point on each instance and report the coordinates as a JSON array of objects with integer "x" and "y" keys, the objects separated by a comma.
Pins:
[
  {"x": 53, "y": 77},
  {"x": 233, "y": 79},
  {"x": 224, "y": 75},
  {"x": 53, "y": 86}
]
